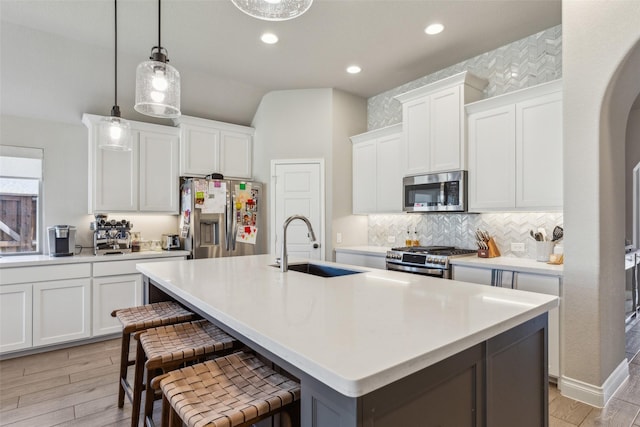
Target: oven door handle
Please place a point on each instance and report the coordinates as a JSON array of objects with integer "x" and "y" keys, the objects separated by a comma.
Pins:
[{"x": 419, "y": 270}]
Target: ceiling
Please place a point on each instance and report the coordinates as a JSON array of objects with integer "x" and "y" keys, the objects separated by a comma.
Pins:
[{"x": 219, "y": 54}]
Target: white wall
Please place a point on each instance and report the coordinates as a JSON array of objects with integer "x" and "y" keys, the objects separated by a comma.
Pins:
[
  {"x": 632, "y": 156},
  {"x": 308, "y": 124},
  {"x": 65, "y": 186},
  {"x": 598, "y": 93}
]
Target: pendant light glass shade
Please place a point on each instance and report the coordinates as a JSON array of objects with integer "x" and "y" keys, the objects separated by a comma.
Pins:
[
  {"x": 114, "y": 132},
  {"x": 157, "y": 87},
  {"x": 273, "y": 10}
]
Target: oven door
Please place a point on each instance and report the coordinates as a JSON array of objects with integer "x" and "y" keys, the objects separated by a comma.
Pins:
[
  {"x": 425, "y": 271},
  {"x": 441, "y": 192}
]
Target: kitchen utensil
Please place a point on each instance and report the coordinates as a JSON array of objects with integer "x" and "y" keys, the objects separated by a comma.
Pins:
[
  {"x": 558, "y": 233},
  {"x": 543, "y": 234},
  {"x": 532, "y": 234}
]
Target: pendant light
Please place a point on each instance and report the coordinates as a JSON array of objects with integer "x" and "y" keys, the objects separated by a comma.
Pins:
[
  {"x": 158, "y": 84},
  {"x": 273, "y": 10},
  {"x": 114, "y": 132}
]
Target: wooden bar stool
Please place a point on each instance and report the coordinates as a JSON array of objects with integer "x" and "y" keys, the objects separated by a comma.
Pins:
[
  {"x": 166, "y": 348},
  {"x": 135, "y": 319},
  {"x": 237, "y": 390}
]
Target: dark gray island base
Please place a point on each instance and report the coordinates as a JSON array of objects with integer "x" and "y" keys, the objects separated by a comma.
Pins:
[{"x": 501, "y": 382}]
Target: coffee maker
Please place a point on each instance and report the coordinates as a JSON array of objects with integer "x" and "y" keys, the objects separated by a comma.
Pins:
[
  {"x": 111, "y": 236},
  {"x": 62, "y": 240}
]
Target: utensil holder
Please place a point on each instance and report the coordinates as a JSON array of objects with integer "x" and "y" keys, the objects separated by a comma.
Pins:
[
  {"x": 492, "y": 252},
  {"x": 544, "y": 250}
]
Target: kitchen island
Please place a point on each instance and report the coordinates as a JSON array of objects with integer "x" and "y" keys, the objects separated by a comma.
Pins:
[{"x": 378, "y": 348}]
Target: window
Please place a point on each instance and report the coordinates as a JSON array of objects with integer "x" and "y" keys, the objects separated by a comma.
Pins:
[{"x": 20, "y": 200}]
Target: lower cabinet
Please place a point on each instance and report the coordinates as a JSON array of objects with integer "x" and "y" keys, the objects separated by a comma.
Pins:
[
  {"x": 481, "y": 276},
  {"x": 361, "y": 260},
  {"x": 61, "y": 311},
  {"x": 111, "y": 293},
  {"x": 15, "y": 317}
]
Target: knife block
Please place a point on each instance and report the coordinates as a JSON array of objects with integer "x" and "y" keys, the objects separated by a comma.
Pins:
[{"x": 492, "y": 252}]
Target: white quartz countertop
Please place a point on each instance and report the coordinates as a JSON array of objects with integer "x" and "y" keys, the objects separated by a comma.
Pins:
[
  {"x": 364, "y": 250},
  {"x": 35, "y": 260},
  {"x": 354, "y": 333},
  {"x": 523, "y": 265}
]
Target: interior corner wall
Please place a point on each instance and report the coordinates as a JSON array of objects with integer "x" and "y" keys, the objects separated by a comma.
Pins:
[
  {"x": 593, "y": 299},
  {"x": 632, "y": 156},
  {"x": 349, "y": 118}
]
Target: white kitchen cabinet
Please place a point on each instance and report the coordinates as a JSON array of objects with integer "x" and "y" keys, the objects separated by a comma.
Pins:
[
  {"x": 515, "y": 150},
  {"x": 61, "y": 311},
  {"x": 482, "y": 276},
  {"x": 111, "y": 293},
  {"x": 434, "y": 125},
  {"x": 159, "y": 173},
  {"x": 144, "y": 179},
  {"x": 209, "y": 146},
  {"x": 377, "y": 171},
  {"x": 15, "y": 317}
]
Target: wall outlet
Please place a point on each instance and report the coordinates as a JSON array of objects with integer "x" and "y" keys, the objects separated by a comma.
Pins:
[
  {"x": 517, "y": 247},
  {"x": 391, "y": 239},
  {"x": 338, "y": 237}
]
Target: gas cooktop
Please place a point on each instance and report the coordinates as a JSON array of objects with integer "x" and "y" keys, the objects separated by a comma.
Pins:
[{"x": 444, "y": 251}]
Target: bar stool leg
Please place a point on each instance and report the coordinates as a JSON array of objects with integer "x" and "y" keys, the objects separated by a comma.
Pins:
[
  {"x": 137, "y": 384},
  {"x": 124, "y": 365}
]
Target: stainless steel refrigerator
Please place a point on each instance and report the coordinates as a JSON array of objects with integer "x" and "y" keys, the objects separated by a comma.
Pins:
[{"x": 220, "y": 217}]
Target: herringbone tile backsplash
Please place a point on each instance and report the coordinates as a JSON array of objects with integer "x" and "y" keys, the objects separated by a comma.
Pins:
[
  {"x": 459, "y": 229},
  {"x": 527, "y": 62}
]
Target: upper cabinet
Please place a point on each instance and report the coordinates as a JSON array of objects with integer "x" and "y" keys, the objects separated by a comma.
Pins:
[
  {"x": 209, "y": 146},
  {"x": 515, "y": 150},
  {"x": 434, "y": 131},
  {"x": 377, "y": 171},
  {"x": 144, "y": 179}
]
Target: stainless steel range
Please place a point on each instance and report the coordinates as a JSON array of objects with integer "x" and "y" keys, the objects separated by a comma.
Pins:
[{"x": 425, "y": 260}]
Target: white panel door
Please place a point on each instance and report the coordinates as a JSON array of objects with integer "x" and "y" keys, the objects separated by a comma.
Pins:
[
  {"x": 539, "y": 152},
  {"x": 298, "y": 191},
  {"x": 444, "y": 130},
  {"x": 365, "y": 175},
  {"x": 492, "y": 165},
  {"x": 15, "y": 317},
  {"x": 116, "y": 179},
  {"x": 159, "y": 174},
  {"x": 389, "y": 174},
  {"x": 199, "y": 150},
  {"x": 61, "y": 311},
  {"x": 111, "y": 293}
]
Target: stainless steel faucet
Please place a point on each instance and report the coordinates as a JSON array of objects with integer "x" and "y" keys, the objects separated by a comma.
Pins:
[{"x": 284, "y": 263}]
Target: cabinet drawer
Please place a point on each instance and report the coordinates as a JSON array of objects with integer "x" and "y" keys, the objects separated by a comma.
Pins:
[
  {"x": 113, "y": 268},
  {"x": 45, "y": 273}
]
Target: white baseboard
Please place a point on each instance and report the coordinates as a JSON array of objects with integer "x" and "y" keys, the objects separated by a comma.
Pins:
[{"x": 597, "y": 396}]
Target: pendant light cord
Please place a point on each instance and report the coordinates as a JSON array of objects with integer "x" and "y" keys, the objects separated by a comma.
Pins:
[
  {"x": 115, "y": 71},
  {"x": 159, "y": 45}
]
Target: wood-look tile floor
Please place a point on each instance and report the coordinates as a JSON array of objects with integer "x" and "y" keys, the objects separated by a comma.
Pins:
[{"x": 78, "y": 386}]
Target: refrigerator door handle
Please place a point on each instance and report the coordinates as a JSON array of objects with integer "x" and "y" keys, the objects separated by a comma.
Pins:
[{"x": 234, "y": 223}]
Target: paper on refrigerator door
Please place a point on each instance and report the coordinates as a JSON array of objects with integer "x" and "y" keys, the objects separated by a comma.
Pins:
[
  {"x": 215, "y": 199},
  {"x": 247, "y": 234}
]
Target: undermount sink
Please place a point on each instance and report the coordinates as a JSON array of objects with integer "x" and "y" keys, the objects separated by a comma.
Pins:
[{"x": 320, "y": 270}]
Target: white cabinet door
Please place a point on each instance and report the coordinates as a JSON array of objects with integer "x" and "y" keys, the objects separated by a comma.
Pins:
[
  {"x": 61, "y": 311},
  {"x": 361, "y": 260},
  {"x": 415, "y": 116},
  {"x": 539, "y": 152},
  {"x": 111, "y": 293},
  {"x": 445, "y": 138},
  {"x": 199, "y": 150},
  {"x": 115, "y": 179},
  {"x": 492, "y": 166},
  {"x": 235, "y": 154},
  {"x": 464, "y": 273},
  {"x": 159, "y": 174},
  {"x": 551, "y": 286},
  {"x": 15, "y": 317},
  {"x": 364, "y": 177},
  {"x": 389, "y": 174}
]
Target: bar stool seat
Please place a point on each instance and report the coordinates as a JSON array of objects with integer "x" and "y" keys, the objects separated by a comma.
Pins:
[
  {"x": 168, "y": 347},
  {"x": 230, "y": 391},
  {"x": 135, "y": 319}
]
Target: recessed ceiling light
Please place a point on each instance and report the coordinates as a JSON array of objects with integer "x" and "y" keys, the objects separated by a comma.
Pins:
[
  {"x": 269, "y": 38},
  {"x": 353, "y": 69},
  {"x": 434, "y": 29}
]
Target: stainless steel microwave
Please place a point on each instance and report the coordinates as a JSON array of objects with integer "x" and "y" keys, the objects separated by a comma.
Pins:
[{"x": 436, "y": 192}]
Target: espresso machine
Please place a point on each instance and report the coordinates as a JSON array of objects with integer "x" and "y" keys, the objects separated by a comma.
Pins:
[{"x": 111, "y": 237}]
